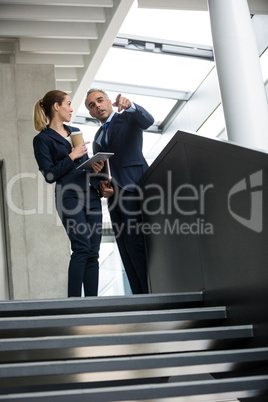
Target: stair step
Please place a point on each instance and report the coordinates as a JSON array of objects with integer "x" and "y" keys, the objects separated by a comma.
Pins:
[
  {"x": 66, "y": 347},
  {"x": 127, "y": 348},
  {"x": 96, "y": 323},
  {"x": 98, "y": 304},
  {"x": 190, "y": 391},
  {"x": 126, "y": 368}
]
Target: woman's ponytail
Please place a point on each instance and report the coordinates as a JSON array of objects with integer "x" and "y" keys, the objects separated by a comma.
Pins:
[{"x": 40, "y": 118}]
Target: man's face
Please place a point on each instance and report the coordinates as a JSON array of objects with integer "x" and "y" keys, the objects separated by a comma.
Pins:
[{"x": 99, "y": 107}]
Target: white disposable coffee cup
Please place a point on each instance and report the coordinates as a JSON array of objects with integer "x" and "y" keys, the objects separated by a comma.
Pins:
[{"x": 77, "y": 138}]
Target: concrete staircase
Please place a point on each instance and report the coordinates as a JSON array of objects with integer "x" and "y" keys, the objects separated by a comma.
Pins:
[{"x": 158, "y": 347}]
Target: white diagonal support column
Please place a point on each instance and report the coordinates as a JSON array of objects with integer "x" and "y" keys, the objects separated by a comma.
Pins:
[{"x": 239, "y": 73}]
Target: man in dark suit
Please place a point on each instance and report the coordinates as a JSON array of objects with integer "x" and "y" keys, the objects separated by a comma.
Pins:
[{"x": 124, "y": 137}]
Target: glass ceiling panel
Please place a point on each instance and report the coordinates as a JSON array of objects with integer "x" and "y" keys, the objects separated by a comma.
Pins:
[
  {"x": 176, "y": 25},
  {"x": 153, "y": 70},
  {"x": 264, "y": 65},
  {"x": 214, "y": 125}
]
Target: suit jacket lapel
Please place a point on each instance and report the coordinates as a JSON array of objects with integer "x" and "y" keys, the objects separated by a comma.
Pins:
[
  {"x": 56, "y": 136},
  {"x": 98, "y": 133},
  {"x": 96, "y": 144},
  {"x": 110, "y": 128}
]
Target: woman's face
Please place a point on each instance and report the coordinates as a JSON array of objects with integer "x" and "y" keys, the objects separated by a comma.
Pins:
[{"x": 64, "y": 110}]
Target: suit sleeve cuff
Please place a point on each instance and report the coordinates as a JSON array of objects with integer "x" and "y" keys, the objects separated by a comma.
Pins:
[{"x": 132, "y": 108}]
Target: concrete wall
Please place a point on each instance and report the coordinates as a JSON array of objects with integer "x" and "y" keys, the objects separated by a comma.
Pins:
[
  {"x": 4, "y": 291},
  {"x": 37, "y": 247}
]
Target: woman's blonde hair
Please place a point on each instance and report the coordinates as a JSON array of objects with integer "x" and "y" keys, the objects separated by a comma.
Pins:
[{"x": 43, "y": 108}]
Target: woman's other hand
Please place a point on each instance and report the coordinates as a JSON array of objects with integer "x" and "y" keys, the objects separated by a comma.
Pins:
[{"x": 79, "y": 151}]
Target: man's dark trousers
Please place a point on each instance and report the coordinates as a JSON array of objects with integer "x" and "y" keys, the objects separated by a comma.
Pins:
[{"x": 125, "y": 212}]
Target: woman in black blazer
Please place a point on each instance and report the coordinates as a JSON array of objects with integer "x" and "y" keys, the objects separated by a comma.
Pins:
[{"x": 77, "y": 201}]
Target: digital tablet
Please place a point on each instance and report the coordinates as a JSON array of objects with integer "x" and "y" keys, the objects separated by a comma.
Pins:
[{"x": 95, "y": 158}]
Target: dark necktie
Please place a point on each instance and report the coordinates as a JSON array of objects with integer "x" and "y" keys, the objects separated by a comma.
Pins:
[{"x": 104, "y": 136}]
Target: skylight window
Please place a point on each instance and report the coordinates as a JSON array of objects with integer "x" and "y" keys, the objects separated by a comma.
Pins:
[{"x": 156, "y": 80}]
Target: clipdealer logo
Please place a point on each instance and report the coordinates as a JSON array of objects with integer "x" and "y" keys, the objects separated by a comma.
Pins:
[
  {"x": 254, "y": 190},
  {"x": 249, "y": 189}
]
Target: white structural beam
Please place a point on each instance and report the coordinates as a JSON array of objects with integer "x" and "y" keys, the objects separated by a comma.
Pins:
[
  {"x": 77, "y": 3},
  {"x": 48, "y": 13},
  {"x": 51, "y": 46},
  {"x": 255, "y": 6},
  {"x": 258, "y": 6},
  {"x": 66, "y": 74},
  {"x": 65, "y": 86},
  {"x": 153, "y": 45},
  {"x": 241, "y": 83},
  {"x": 197, "y": 5},
  {"x": 60, "y": 60},
  {"x": 48, "y": 30},
  {"x": 142, "y": 90}
]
